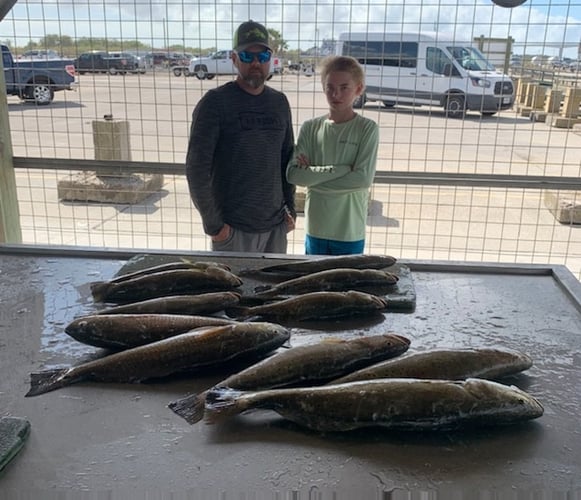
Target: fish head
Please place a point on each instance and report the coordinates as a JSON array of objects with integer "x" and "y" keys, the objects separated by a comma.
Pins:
[
  {"x": 223, "y": 274},
  {"x": 367, "y": 299},
  {"x": 508, "y": 399}
]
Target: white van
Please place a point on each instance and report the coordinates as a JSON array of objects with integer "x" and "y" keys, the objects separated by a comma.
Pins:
[{"x": 427, "y": 69}]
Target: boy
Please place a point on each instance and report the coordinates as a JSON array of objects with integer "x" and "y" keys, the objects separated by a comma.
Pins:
[{"x": 335, "y": 159}]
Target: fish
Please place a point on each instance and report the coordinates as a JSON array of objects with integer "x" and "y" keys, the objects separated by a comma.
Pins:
[
  {"x": 191, "y": 351},
  {"x": 450, "y": 364},
  {"x": 172, "y": 282},
  {"x": 404, "y": 404},
  {"x": 313, "y": 305},
  {"x": 125, "y": 331},
  {"x": 303, "y": 365},
  {"x": 329, "y": 280},
  {"x": 202, "y": 303},
  {"x": 169, "y": 266},
  {"x": 303, "y": 267}
]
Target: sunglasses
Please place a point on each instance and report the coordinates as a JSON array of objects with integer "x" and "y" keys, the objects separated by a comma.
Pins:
[{"x": 247, "y": 57}]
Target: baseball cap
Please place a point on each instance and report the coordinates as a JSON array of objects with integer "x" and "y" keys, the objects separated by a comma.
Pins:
[{"x": 250, "y": 33}]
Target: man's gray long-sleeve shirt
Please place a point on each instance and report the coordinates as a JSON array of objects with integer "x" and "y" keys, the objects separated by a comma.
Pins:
[{"x": 239, "y": 148}]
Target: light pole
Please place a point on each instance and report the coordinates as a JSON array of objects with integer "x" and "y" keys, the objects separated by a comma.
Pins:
[
  {"x": 164, "y": 36},
  {"x": 316, "y": 47}
]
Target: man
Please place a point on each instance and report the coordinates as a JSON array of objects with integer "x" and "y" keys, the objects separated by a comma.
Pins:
[{"x": 241, "y": 140}]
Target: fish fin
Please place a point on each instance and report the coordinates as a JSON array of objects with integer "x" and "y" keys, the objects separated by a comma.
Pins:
[
  {"x": 46, "y": 381},
  {"x": 222, "y": 402},
  {"x": 99, "y": 290},
  {"x": 237, "y": 311},
  {"x": 247, "y": 271},
  {"x": 333, "y": 340},
  {"x": 190, "y": 408}
]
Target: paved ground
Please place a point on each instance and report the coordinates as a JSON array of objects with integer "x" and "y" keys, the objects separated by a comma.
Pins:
[{"x": 450, "y": 223}]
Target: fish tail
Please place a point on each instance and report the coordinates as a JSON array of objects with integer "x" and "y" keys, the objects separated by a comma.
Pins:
[
  {"x": 221, "y": 403},
  {"x": 99, "y": 290},
  {"x": 46, "y": 381},
  {"x": 190, "y": 408}
]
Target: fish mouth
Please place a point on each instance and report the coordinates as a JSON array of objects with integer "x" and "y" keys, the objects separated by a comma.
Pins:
[
  {"x": 381, "y": 302},
  {"x": 404, "y": 340}
]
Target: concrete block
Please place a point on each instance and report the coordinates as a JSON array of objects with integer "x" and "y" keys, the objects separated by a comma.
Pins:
[
  {"x": 563, "y": 122},
  {"x": 564, "y": 205},
  {"x": 128, "y": 189},
  {"x": 572, "y": 103},
  {"x": 111, "y": 140},
  {"x": 553, "y": 101}
]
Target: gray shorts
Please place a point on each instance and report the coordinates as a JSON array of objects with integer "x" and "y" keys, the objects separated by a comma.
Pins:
[{"x": 273, "y": 241}]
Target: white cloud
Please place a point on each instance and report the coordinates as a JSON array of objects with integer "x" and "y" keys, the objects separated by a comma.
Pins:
[{"x": 535, "y": 27}]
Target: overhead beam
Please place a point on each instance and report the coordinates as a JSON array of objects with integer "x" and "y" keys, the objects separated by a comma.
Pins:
[{"x": 5, "y": 6}]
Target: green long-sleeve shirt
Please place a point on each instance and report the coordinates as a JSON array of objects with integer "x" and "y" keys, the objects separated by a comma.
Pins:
[{"x": 342, "y": 158}]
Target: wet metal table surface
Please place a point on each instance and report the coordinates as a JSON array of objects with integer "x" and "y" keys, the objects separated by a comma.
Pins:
[{"x": 121, "y": 438}]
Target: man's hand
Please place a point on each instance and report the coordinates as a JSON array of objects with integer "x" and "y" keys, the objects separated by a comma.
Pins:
[
  {"x": 290, "y": 222},
  {"x": 223, "y": 235}
]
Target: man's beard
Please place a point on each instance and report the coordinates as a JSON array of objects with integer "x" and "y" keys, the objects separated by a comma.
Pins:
[{"x": 255, "y": 80}]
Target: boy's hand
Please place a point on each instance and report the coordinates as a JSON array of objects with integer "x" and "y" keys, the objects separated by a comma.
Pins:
[{"x": 302, "y": 161}]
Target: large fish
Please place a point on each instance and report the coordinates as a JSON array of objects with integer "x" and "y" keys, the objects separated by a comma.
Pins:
[
  {"x": 314, "y": 305},
  {"x": 169, "y": 266},
  {"x": 303, "y": 267},
  {"x": 202, "y": 303},
  {"x": 200, "y": 348},
  {"x": 401, "y": 404},
  {"x": 173, "y": 282},
  {"x": 303, "y": 365},
  {"x": 330, "y": 280},
  {"x": 449, "y": 364},
  {"x": 124, "y": 331}
]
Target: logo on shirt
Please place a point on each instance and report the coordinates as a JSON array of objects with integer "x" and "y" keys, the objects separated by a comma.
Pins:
[
  {"x": 259, "y": 121},
  {"x": 348, "y": 143}
]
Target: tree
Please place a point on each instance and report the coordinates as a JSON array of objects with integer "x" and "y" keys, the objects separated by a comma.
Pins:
[{"x": 276, "y": 41}]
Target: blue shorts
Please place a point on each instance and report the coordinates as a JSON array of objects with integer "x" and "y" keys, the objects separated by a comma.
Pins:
[{"x": 319, "y": 246}]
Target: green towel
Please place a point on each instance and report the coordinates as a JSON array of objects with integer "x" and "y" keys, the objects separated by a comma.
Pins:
[{"x": 13, "y": 434}]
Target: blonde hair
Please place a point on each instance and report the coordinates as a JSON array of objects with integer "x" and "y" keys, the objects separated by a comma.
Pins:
[{"x": 346, "y": 64}]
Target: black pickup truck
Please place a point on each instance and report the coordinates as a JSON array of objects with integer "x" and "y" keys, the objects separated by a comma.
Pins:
[
  {"x": 38, "y": 79},
  {"x": 104, "y": 62}
]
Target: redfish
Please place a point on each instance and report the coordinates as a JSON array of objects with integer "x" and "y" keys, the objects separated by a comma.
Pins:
[
  {"x": 160, "y": 284},
  {"x": 329, "y": 280},
  {"x": 398, "y": 404},
  {"x": 124, "y": 331},
  {"x": 202, "y": 303},
  {"x": 303, "y": 267},
  {"x": 314, "y": 305},
  {"x": 449, "y": 364},
  {"x": 303, "y": 365},
  {"x": 195, "y": 350}
]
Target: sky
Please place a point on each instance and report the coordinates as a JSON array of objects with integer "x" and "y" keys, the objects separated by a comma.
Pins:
[{"x": 549, "y": 27}]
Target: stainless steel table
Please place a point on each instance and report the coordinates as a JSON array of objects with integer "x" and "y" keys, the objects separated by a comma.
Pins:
[{"x": 122, "y": 440}]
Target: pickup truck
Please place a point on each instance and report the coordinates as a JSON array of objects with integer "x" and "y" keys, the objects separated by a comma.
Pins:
[
  {"x": 37, "y": 80},
  {"x": 104, "y": 62},
  {"x": 218, "y": 63}
]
